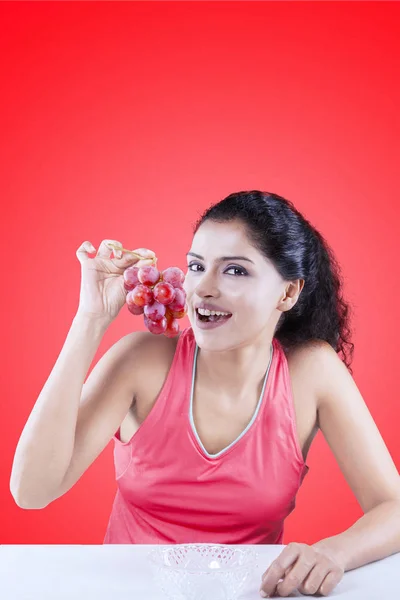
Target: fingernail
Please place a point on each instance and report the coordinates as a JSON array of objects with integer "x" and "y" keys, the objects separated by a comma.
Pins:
[{"x": 263, "y": 594}]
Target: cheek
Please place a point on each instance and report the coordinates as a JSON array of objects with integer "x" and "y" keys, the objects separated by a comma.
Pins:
[
  {"x": 186, "y": 285},
  {"x": 246, "y": 310},
  {"x": 246, "y": 297},
  {"x": 255, "y": 303}
]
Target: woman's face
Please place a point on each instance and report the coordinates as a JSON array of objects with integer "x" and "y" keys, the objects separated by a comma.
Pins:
[{"x": 229, "y": 273}]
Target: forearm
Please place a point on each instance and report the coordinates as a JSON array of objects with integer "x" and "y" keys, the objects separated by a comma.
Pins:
[
  {"x": 374, "y": 536},
  {"x": 46, "y": 444}
]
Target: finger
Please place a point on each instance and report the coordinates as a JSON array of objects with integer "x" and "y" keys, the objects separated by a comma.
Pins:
[
  {"x": 330, "y": 582},
  {"x": 276, "y": 570},
  {"x": 144, "y": 253},
  {"x": 274, "y": 591},
  {"x": 83, "y": 250},
  {"x": 132, "y": 258},
  {"x": 144, "y": 263},
  {"x": 313, "y": 580},
  {"x": 125, "y": 262},
  {"x": 294, "y": 579},
  {"x": 106, "y": 248}
]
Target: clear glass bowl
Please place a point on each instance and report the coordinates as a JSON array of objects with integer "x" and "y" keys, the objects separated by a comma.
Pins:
[{"x": 202, "y": 571}]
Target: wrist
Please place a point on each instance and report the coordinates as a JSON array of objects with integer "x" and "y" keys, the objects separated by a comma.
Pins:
[
  {"x": 334, "y": 547},
  {"x": 92, "y": 320}
]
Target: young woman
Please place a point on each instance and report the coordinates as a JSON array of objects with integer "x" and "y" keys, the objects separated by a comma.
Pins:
[{"x": 212, "y": 428}]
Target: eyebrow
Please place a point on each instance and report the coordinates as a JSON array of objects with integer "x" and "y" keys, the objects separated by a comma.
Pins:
[{"x": 222, "y": 258}]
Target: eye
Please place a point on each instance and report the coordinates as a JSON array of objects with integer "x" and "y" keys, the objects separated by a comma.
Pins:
[
  {"x": 193, "y": 264},
  {"x": 239, "y": 271}
]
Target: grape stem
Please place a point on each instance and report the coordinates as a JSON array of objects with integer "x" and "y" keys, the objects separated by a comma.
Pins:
[{"x": 154, "y": 260}]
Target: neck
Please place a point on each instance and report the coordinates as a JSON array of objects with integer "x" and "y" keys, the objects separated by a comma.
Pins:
[{"x": 234, "y": 374}]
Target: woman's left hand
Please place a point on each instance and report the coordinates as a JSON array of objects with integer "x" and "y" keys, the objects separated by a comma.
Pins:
[{"x": 309, "y": 569}]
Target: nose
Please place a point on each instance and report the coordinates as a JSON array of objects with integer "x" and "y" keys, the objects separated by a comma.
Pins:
[{"x": 207, "y": 286}]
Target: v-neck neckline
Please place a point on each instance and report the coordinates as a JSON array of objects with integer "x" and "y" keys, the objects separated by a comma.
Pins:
[{"x": 242, "y": 434}]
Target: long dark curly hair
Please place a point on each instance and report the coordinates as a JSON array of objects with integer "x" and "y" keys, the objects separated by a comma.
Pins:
[{"x": 298, "y": 251}]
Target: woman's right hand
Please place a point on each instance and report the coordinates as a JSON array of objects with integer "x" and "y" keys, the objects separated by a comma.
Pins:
[{"x": 102, "y": 291}]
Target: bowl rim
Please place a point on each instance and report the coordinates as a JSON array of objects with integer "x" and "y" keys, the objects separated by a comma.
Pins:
[{"x": 155, "y": 553}]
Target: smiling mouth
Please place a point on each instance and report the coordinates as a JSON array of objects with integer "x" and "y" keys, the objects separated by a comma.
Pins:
[{"x": 211, "y": 318}]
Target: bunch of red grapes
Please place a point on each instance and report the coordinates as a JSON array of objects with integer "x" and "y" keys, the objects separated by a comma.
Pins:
[{"x": 159, "y": 296}]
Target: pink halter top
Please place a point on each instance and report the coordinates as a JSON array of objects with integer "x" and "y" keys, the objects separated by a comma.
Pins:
[{"x": 171, "y": 491}]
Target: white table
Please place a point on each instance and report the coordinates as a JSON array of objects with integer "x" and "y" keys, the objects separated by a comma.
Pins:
[{"x": 122, "y": 572}]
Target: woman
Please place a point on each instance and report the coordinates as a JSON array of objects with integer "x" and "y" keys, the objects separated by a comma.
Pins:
[{"x": 212, "y": 428}]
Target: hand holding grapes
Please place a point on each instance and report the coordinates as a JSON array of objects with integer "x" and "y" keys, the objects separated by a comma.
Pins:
[
  {"x": 102, "y": 292},
  {"x": 159, "y": 296}
]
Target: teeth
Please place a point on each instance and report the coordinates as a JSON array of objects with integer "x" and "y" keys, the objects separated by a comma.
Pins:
[{"x": 207, "y": 313}]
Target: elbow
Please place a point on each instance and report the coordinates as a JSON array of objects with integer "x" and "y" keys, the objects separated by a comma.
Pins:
[
  {"x": 25, "y": 502},
  {"x": 29, "y": 505}
]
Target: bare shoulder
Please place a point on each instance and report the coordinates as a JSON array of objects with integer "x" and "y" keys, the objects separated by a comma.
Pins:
[
  {"x": 152, "y": 347},
  {"x": 304, "y": 364},
  {"x": 317, "y": 361},
  {"x": 150, "y": 363},
  {"x": 305, "y": 358},
  {"x": 308, "y": 365}
]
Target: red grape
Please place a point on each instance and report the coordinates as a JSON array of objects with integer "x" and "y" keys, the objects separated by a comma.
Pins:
[
  {"x": 179, "y": 301},
  {"x": 164, "y": 293},
  {"x": 149, "y": 275},
  {"x": 131, "y": 278},
  {"x": 156, "y": 327},
  {"x": 174, "y": 276},
  {"x": 172, "y": 328},
  {"x": 142, "y": 295},
  {"x": 179, "y": 314},
  {"x": 132, "y": 307},
  {"x": 155, "y": 311}
]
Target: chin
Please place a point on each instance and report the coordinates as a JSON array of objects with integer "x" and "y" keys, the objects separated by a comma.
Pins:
[{"x": 216, "y": 341}]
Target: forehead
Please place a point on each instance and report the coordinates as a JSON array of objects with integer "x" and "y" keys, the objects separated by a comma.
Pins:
[{"x": 221, "y": 238}]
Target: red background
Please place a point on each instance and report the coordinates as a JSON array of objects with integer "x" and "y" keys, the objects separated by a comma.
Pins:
[{"x": 125, "y": 121}]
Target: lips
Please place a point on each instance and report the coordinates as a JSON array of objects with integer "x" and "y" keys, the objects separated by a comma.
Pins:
[
  {"x": 209, "y": 306},
  {"x": 211, "y": 322}
]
